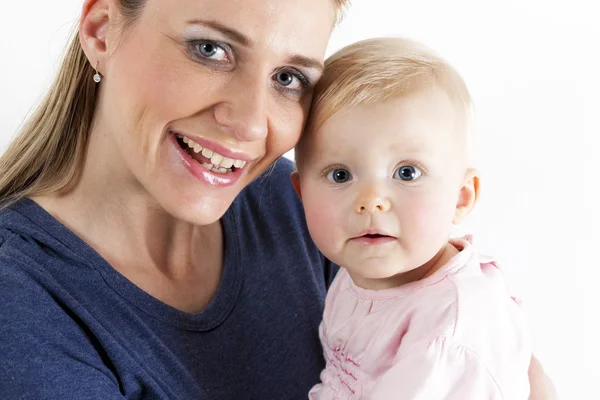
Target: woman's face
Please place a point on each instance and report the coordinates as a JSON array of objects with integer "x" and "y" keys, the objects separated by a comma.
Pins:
[{"x": 199, "y": 97}]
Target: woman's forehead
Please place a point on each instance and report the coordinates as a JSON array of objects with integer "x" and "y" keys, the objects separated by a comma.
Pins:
[{"x": 282, "y": 27}]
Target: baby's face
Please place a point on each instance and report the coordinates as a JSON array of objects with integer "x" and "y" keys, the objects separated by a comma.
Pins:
[{"x": 380, "y": 184}]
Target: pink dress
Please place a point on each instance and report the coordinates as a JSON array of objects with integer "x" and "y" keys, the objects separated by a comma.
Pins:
[{"x": 457, "y": 334}]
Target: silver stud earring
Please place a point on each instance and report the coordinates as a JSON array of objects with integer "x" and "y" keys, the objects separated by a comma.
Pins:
[{"x": 97, "y": 76}]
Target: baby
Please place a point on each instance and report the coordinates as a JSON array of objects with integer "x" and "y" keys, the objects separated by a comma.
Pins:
[{"x": 386, "y": 167}]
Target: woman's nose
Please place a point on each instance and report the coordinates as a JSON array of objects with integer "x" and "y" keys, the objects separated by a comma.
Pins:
[{"x": 244, "y": 112}]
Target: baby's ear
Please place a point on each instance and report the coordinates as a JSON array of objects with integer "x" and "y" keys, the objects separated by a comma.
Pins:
[
  {"x": 295, "y": 178},
  {"x": 468, "y": 195}
]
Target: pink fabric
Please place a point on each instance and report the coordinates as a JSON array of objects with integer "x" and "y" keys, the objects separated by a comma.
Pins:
[{"x": 457, "y": 334}]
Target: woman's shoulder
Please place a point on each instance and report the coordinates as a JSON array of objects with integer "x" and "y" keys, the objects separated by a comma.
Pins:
[
  {"x": 26, "y": 252},
  {"x": 33, "y": 243},
  {"x": 17, "y": 232},
  {"x": 38, "y": 317}
]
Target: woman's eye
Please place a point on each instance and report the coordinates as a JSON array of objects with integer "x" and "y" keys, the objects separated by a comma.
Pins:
[
  {"x": 407, "y": 173},
  {"x": 339, "y": 175},
  {"x": 211, "y": 50},
  {"x": 290, "y": 81}
]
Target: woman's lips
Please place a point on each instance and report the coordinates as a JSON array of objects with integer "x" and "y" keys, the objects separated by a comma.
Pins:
[{"x": 202, "y": 172}]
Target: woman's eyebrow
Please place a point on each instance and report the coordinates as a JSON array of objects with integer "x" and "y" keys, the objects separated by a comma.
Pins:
[
  {"x": 231, "y": 33},
  {"x": 245, "y": 41},
  {"x": 306, "y": 62}
]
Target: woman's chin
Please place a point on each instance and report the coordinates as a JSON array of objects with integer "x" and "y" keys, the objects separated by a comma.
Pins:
[{"x": 204, "y": 209}]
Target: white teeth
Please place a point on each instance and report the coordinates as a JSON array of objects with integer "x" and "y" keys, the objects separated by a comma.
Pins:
[
  {"x": 216, "y": 159},
  {"x": 227, "y": 163},
  {"x": 218, "y": 163},
  {"x": 192, "y": 145}
]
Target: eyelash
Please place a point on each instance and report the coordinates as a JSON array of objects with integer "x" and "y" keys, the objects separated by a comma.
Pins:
[
  {"x": 304, "y": 82},
  {"x": 192, "y": 48},
  {"x": 330, "y": 168},
  {"x": 409, "y": 163}
]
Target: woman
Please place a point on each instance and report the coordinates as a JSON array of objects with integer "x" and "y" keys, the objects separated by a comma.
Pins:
[{"x": 145, "y": 252}]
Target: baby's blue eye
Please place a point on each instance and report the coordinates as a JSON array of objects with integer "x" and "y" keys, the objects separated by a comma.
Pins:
[
  {"x": 339, "y": 175},
  {"x": 407, "y": 173}
]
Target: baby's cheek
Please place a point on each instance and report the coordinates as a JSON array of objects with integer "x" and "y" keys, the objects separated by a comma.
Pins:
[
  {"x": 428, "y": 220},
  {"x": 324, "y": 223}
]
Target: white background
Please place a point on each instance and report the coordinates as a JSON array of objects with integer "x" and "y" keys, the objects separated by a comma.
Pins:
[{"x": 533, "y": 69}]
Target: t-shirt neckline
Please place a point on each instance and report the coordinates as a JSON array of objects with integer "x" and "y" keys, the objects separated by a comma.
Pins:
[{"x": 212, "y": 316}]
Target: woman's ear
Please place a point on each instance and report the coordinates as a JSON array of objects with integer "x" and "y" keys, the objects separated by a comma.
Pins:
[
  {"x": 468, "y": 195},
  {"x": 295, "y": 178},
  {"x": 93, "y": 31}
]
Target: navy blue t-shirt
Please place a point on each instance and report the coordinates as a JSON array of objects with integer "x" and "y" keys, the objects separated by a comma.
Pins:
[{"x": 72, "y": 327}]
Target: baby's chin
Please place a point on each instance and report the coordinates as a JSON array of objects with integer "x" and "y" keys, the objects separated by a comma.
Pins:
[{"x": 378, "y": 270}]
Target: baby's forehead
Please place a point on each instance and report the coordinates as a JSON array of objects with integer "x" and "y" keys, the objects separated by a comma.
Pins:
[
  {"x": 413, "y": 118},
  {"x": 367, "y": 140},
  {"x": 407, "y": 127}
]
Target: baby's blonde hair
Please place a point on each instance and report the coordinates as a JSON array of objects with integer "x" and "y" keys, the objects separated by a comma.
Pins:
[{"x": 375, "y": 70}]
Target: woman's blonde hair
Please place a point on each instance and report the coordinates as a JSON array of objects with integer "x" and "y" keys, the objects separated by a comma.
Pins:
[
  {"x": 375, "y": 70},
  {"x": 47, "y": 154}
]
